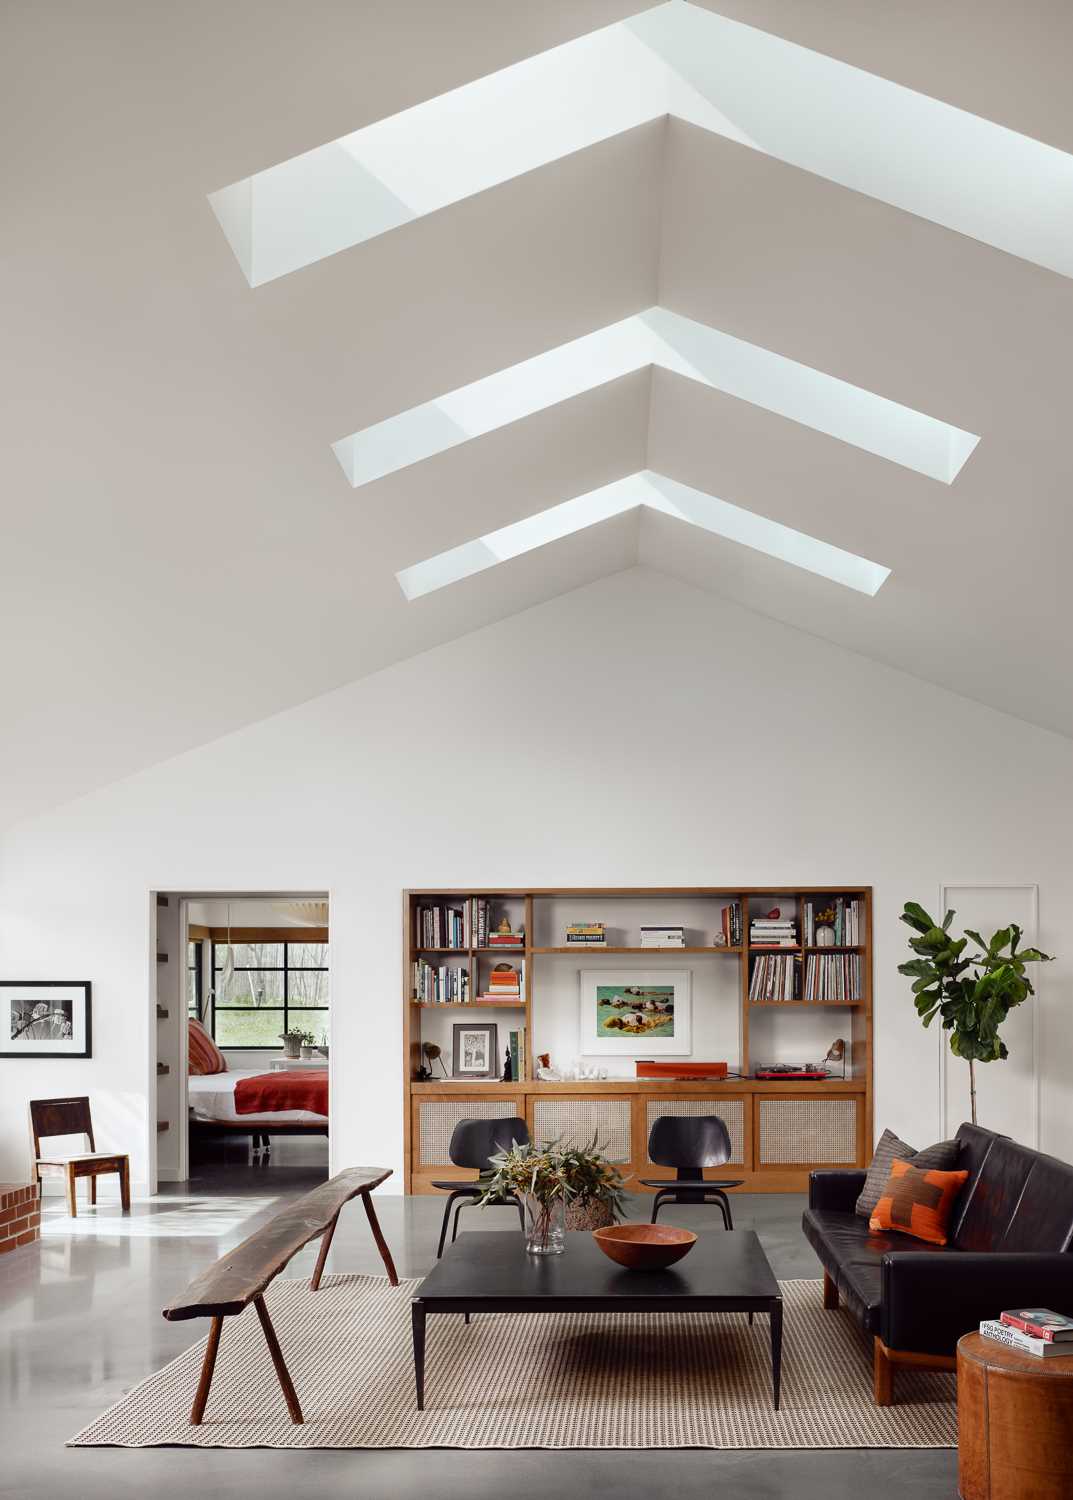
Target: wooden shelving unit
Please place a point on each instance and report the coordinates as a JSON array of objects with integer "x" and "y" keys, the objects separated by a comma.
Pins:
[{"x": 781, "y": 1128}]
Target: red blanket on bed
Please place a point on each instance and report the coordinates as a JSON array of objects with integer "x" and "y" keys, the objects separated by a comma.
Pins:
[{"x": 268, "y": 1093}]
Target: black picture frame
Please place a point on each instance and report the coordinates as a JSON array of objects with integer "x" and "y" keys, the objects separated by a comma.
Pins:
[
  {"x": 81, "y": 995},
  {"x": 491, "y": 1030}
]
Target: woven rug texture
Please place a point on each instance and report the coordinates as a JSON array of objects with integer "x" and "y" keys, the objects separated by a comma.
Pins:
[{"x": 543, "y": 1380}]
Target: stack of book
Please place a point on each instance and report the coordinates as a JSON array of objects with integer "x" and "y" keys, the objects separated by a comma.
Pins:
[
  {"x": 833, "y": 976},
  {"x": 846, "y": 917},
  {"x": 776, "y": 976},
  {"x": 731, "y": 923},
  {"x": 772, "y": 932},
  {"x": 504, "y": 983},
  {"x": 586, "y": 934},
  {"x": 442, "y": 926},
  {"x": 1032, "y": 1330},
  {"x": 663, "y": 937},
  {"x": 516, "y": 1048},
  {"x": 503, "y": 937},
  {"x": 440, "y": 986}
]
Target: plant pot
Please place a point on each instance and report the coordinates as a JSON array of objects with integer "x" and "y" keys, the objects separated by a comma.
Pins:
[
  {"x": 308, "y": 1050},
  {"x": 589, "y": 1213},
  {"x": 545, "y": 1228},
  {"x": 291, "y": 1048}
]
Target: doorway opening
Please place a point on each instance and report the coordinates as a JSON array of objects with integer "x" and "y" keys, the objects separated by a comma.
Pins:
[{"x": 242, "y": 1034}]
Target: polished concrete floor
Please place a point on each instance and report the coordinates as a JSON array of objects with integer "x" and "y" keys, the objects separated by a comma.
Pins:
[{"x": 80, "y": 1324}]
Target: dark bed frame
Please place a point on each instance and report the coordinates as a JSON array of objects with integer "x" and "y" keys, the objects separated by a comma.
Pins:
[{"x": 260, "y": 1135}]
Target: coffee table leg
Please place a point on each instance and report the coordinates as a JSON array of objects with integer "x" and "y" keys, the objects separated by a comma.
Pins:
[
  {"x": 417, "y": 1314},
  {"x": 776, "y": 1348}
]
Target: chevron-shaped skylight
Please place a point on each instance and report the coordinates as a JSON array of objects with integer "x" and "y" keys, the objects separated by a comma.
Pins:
[
  {"x": 659, "y": 337},
  {"x": 660, "y": 494},
  {"x": 768, "y": 94}
]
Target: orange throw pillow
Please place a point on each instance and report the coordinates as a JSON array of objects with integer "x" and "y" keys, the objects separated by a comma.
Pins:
[
  {"x": 203, "y": 1054},
  {"x": 917, "y": 1202}
]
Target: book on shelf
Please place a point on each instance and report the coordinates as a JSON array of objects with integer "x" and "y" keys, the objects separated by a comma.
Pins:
[
  {"x": 1040, "y": 1323},
  {"x": 442, "y": 925},
  {"x": 593, "y": 934},
  {"x": 516, "y": 1052},
  {"x": 1013, "y": 1338},
  {"x": 507, "y": 940},
  {"x": 833, "y": 976},
  {"x": 845, "y": 918},
  {"x": 440, "y": 985},
  {"x": 731, "y": 923},
  {"x": 573, "y": 940},
  {"x": 663, "y": 937},
  {"x": 775, "y": 976}
]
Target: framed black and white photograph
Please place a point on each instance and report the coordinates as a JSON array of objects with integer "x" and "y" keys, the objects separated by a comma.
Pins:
[
  {"x": 476, "y": 1051},
  {"x": 640, "y": 1012},
  {"x": 42, "y": 1018}
]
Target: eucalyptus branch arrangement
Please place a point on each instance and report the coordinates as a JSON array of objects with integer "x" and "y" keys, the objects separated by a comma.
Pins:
[
  {"x": 553, "y": 1171},
  {"x": 972, "y": 994}
]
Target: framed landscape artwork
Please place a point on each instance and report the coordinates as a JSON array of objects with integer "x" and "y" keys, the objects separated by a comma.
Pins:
[
  {"x": 476, "y": 1051},
  {"x": 645, "y": 1013},
  {"x": 42, "y": 1018}
]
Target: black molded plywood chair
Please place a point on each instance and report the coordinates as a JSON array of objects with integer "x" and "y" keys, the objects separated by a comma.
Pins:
[
  {"x": 473, "y": 1143},
  {"x": 689, "y": 1143}
]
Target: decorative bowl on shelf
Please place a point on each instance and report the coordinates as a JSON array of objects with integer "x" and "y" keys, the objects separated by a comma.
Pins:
[{"x": 644, "y": 1247}]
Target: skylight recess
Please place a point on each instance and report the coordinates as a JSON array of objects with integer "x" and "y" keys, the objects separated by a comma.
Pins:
[
  {"x": 663, "y": 338},
  {"x": 667, "y": 496},
  {"x": 773, "y": 96}
]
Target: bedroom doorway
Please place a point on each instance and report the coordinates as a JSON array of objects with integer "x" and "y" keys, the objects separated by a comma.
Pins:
[{"x": 243, "y": 1038}]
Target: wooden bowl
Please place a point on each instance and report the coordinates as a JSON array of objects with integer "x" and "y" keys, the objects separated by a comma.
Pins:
[{"x": 644, "y": 1247}]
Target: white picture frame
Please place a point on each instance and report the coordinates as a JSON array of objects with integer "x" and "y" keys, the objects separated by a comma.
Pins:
[{"x": 638, "y": 993}]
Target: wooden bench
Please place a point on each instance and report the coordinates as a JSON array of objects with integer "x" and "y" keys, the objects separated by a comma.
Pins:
[{"x": 241, "y": 1277}]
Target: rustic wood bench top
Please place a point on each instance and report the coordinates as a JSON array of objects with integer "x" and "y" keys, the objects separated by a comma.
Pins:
[{"x": 244, "y": 1272}]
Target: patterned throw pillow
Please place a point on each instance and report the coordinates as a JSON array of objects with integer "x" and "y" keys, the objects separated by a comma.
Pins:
[
  {"x": 917, "y": 1203},
  {"x": 203, "y": 1054},
  {"x": 891, "y": 1148}
]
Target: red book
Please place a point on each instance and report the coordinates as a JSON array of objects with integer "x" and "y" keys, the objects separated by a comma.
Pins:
[{"x": 1040, "y": 1323}]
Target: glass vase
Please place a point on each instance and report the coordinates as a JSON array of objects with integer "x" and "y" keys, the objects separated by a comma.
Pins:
[{"x": 545, "y": 1225}]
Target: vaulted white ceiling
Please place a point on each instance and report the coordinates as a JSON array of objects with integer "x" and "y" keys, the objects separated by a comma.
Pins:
[{"x": 181, "y": 551}]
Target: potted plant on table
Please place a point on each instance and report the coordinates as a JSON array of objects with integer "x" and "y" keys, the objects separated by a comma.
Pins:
[
  {"x": 558, "y": 1187},
  {"x": 292, "y": 1041}
]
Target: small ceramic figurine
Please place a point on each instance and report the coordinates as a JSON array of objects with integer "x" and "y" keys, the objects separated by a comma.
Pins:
[
  {"x": 825, "y": 937},
  {"x": 504, "y": 927},
  {"x": 508, "y": 1071}
]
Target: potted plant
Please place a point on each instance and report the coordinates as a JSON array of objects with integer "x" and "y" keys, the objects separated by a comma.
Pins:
[
  {"x": 556, "y": 1185},
  {"x": 308, "y": 1044},
  {"x": 292, "y": 1041},
  {"x": 972, "y": 995}
]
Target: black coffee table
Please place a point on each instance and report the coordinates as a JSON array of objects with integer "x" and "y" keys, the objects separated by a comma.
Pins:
[{"x": 490, "y": 1271}]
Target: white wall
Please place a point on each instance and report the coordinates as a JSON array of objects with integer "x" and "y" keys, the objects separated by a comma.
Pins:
[{"x": 639, "y": 751}]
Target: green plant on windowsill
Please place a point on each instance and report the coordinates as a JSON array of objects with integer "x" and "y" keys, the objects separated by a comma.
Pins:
[{"x": 972, "y": 995}]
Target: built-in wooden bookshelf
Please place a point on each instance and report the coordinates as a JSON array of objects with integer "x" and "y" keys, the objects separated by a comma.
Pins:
[{"x": 781, "y": 1128}]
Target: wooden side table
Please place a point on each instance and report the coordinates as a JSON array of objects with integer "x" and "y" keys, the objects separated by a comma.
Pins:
[{"x": 1015, "y": 1423}]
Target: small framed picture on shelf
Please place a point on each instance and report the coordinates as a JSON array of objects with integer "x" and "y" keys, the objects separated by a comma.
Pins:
[
  {"x": 476, "y": 1050},
  {"x": 45, "y": 1019},
  {"x": 642, "y": 1012}
]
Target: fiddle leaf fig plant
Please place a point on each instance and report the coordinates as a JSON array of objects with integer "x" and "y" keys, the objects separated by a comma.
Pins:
[{"x": 972, "y": 994}]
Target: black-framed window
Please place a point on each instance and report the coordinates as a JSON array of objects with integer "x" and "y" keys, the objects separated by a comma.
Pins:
[
  {"x": 275, "y": 987},
  {"x": 194, "y": 980}
]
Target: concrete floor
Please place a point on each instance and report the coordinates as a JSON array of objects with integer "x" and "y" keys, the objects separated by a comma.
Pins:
[{"x": 80, "y": 1324}]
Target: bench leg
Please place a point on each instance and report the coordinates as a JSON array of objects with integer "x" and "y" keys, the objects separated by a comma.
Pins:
[
  {"x": 381, "y": 1243},
  {"x": 325, "y": 1246},
  {"x": 830, "y": 1292},
  {"x": 289, "y": 1394},
  {"x": 208, "y": 1364},
  {"x": 883, "y": 1372}
]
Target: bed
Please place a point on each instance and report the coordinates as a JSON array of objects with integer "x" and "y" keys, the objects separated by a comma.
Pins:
[{"x": 214, "y": 1109}]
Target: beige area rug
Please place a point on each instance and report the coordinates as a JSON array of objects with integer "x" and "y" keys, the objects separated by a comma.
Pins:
[{"x": 547, "y": 1380}]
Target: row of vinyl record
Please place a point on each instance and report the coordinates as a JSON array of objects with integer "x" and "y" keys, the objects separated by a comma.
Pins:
[
  {"x": 833, "y": 976},
  {"x": 775, "y": 976}
]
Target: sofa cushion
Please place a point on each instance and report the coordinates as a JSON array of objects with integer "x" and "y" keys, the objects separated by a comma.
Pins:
[
  {"x": 918, "y": 1203},
  {"x": 1018, "y": 1199},
  {"x": 943, "y": 1157},
  {"x": 852, "y": 1256}
]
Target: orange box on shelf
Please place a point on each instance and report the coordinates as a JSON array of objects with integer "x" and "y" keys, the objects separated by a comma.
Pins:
[{"x": 681, "y": 1069}]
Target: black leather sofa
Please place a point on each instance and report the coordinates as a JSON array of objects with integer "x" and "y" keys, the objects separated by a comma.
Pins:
[{"x": 1011, "y": 1234}]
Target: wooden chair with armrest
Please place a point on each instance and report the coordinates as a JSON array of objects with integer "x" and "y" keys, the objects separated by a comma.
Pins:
[{"x": 50, "y": 1118}]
